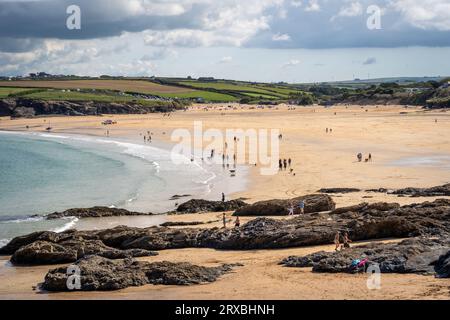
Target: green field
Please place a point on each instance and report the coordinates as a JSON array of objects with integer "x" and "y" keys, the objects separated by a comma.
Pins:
[
  {"x": 206, "y": 95},
  {"x": 4, "y": 92},
  {"x": 252, "y": 90}
]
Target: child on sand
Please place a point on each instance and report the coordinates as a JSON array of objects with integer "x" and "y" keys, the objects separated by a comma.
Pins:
[
  {"x": 291, "y": 210},
  {"x": 347, "y": 241},
  {"x": 337, "y": 241},
  {"x": 237, "y": 223}
]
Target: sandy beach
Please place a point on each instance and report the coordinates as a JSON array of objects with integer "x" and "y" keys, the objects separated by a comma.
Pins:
[{"x": 410, "y": 148}]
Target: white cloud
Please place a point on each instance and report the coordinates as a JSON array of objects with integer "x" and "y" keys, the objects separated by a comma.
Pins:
[
  {"x": 296, "y": 3},
  {"x": 425, "y": 14},
  {"x": 226, "y": 59},
  {"x": 313, "y": 5},
  {"x": 369, "y": 61},
  {"x": 281, "y": 37},
  {"x": 291, "y": 63}
]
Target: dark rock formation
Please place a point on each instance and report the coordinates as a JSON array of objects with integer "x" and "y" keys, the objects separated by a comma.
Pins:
[
  {"x": 198, "y": 206},
  {"x": 338, "y": 190},
  {"x": 101, "y": 274},
  {"x": 45, "y": 253},
  {"x": 380, "y": 206},
  {"x": 185, "y": 223},
  {"x": 22, "y": 107},
  {"x": 425, "y": 219},
  {"x": 442, "y": 266},
  {"x": 313, "y": 203},
  {"x": 425, "y": 192},
  {"x": 95, "y": 212},
  {"x": 417, "y": 255}
]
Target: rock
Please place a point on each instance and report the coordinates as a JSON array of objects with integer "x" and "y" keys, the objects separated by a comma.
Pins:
[
  {"x": 95, "y": 212},
  {"x": 418, "y": 255},
  {"x": 313, "y": 203},
  {"x": 359, "y": 208},
  {"x": 43, "y": 253},
  {"x": 339, "y": 190},
  {"x": 428, "y": 219},
  {"x": 179, "y": 196},
  {"x": 379, "y": 190},
  {"x": 101, "y": 274},
  {"x": 424, "y": 192},
  {"x": 442, "y": 266},
  {"x": 21, "y": 241},
  {"x": 185, "y": 223},
  {"x": 198, "y": 206}
]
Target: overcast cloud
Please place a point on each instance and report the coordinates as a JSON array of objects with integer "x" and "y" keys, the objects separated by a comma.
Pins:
[{"x": 148, "y": 33}]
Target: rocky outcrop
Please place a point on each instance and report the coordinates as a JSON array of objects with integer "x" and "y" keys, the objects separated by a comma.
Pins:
[
  {"x": 94, "y": 212},
  {"x": 338, "y": 190},
  {"x": 313, "y": 203},
  {"x": 431, "y": 219},
  {"x": 185, "y": 223},
  {"x": 199, "y": 206},
  {"x": 442, "y": 266},
  {"x": 418, "y": 255},
  {"x": 22, "y": 107},
  {"x": 362, "y": 207},
  {"x": 424, "y": 192},
  {"x": 45, "y": 253},
  {"x": 101, "y": 274}
]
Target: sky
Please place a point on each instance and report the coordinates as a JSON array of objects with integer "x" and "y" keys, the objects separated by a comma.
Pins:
[{"x": 255, "y": 40}]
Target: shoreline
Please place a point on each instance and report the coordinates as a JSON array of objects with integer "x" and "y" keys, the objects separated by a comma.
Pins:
[{"x": 321, "y": 161}]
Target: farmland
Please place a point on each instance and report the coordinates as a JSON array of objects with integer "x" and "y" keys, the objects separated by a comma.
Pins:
[{"x": 103, "y": 90}]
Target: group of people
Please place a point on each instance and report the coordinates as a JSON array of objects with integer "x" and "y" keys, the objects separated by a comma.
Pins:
[
  {"x": 359, "y": 156},
  {"x": 301, "y": 208},
  {"x": 148, "y": 137},
  {"x": 284, "y": 163},
  {"x": 345, "y": 241},
  {"x": 329, "y": 130},
  {"x": 237, "y": 222}
]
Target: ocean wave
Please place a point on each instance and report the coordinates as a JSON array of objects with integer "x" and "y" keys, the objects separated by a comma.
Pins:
[
  {"x": 4, "y": 242},
  {"x": 67, "y": 226},
  {"x": 6, "y": 220}
]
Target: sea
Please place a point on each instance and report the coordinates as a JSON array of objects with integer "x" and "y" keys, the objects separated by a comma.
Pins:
[{"x": 41, "y": 173}]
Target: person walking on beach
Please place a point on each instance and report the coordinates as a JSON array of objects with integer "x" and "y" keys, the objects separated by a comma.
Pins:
[
  {"x": 291, "y": 210},
  {"x": 237, "y": 223},
  {"x": 285, "y": 164},
  {"x": 359, "y": 156},
  {"x": 347, "y": 241},
  {"x": 290, "y": 162},
  {"x": 337, "y": 241},
  {"x": 370, "y": 157},
  {"x": 224, "y": 219},
  {"x": 223, "y": 197},
  {"x": 280, "y": 164},
  {"x": 301, "y": 206}
]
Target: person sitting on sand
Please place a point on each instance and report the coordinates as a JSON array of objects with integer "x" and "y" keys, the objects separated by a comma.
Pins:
[
  {"x": 347, "y": 241},
  {"x": 237, "y": 223},
  {"x": 337, "y": 241}
]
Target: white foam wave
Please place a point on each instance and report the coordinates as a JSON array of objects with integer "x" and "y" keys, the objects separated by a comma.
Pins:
[
  {"x": 21, "y": 220},
  {"x": 67, "y": 226},
  {"x": 4, "y": 242}
]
